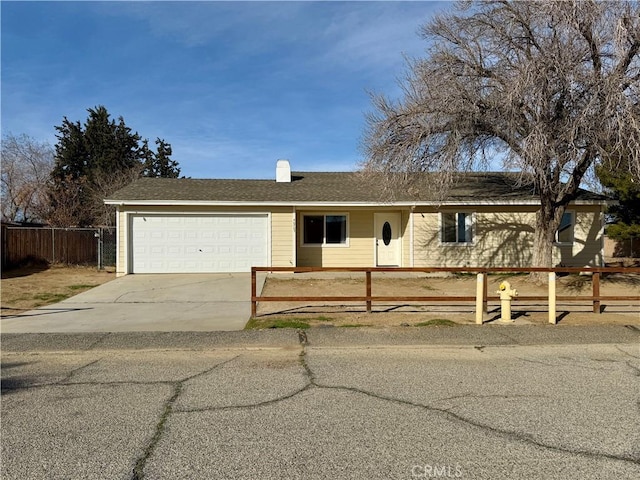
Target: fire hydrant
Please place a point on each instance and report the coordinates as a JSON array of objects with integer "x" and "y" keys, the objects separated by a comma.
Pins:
[{"x": 506, "y": 295}]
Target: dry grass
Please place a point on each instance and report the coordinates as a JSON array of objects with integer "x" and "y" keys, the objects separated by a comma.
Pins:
[{"x": 35, "y": 286}]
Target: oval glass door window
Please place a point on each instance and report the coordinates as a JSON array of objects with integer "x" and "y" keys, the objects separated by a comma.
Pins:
[{"x": 386, "y": 233}]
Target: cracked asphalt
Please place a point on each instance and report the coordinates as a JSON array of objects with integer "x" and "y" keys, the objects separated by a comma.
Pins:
[{"x": 487, "y": 402}]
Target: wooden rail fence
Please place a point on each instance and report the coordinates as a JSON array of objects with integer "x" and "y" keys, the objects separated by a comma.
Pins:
[{"x": 480, "y": 299}]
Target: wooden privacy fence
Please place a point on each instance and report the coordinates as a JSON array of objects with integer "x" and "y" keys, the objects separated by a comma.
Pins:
[
  {"x": 480, "y": 298},
  {"x": 55, "y": 245}
]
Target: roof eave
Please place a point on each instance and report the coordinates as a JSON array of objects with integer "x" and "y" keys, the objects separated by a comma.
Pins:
[{"x": 211, "y": 203}]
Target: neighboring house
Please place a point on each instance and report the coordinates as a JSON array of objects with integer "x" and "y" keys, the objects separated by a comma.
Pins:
[{"x": 339, "y": 219}]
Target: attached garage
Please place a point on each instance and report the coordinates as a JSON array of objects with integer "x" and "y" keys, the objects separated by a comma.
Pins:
[
  {"x": 198, "y": 243},
  {"x": 337, "y": 219}
]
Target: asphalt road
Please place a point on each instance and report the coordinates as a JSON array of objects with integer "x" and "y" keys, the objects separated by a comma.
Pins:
[{"x": 476, "y": 402}]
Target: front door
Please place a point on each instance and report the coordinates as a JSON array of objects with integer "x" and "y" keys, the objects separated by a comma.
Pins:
[{"x": 387, "y": 233}]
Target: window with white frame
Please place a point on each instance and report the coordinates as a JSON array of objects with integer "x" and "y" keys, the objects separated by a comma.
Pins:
[
  {"x": 324, "y": 230},
  {"x": 565, "y": 230},
  {"x": 456, "y": 227}
]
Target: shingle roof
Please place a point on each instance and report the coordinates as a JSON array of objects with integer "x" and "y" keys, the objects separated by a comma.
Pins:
[{"x": 327, "y": 187}]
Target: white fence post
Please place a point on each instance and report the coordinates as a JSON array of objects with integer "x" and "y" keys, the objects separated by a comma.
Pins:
[
  {"x": 480, "y": 298},
  {"x": 552, "y": 297}
]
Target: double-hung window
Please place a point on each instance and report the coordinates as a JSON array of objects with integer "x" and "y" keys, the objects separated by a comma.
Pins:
[
  {"x": 565, "y": 230},
  {"x": 324, "y": 230},
  {"x": 456, "y": 227}
]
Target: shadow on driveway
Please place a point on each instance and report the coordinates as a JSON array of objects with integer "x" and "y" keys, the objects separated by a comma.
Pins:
[{"x": 166, "y": 302}]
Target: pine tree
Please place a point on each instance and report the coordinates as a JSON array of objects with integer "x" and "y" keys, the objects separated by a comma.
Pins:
[
  {"x": 626, "y": 213},
  {"x": 159, "y": 164},
  {"x": 95, "y": 159}
]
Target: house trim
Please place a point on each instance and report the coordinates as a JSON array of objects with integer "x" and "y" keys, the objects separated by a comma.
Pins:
[
  {"x": 294, "y": 243},
  {"x": 118, "y": 269},
  {"x": 200, "y": 203},
  {"x": 411, "y": 237}
]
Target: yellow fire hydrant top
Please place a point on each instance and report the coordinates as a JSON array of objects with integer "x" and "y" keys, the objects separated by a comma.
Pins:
[
  {"x": 506, "y": 295},
  {"x": 505, "y": 291}
]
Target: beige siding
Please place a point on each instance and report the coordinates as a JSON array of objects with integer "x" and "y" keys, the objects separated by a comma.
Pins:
[
  {"x": 429, "y": 250},
  {"x": 282, "y": 238},
  {"x": 358, "y": 253},
  {"x": 122, "y": 241},
  {"x": 619, "y": 249},
  {"x": 503, "y": 239},
  {"x": 587, "y": 244},
  {"x": 406, "y": 238}
]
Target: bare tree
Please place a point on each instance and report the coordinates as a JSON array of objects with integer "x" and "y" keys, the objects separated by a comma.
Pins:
[
  {"x": 66, "y": 199},
  {"x": 74, "y": 202},
  {"x": 550, "y": 87},
  {"x": 26, "y": 165},
  {"x": 105, "y": 184}
]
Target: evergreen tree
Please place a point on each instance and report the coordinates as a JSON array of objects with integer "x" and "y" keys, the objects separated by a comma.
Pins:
[
  {"x": 94, "y": 159},
  {"x": 626, "y": 213},
  {"x": 71, "y": 155},
  {"x": 159, "y": 164},
  {"x": 110, "y": 146}
]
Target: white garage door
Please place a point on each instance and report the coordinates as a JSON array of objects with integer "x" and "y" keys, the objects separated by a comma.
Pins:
[{"x": 198, "y": 243}]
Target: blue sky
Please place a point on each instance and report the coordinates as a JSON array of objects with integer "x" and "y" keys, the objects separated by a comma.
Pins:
[{"x": 233, "y": 86}]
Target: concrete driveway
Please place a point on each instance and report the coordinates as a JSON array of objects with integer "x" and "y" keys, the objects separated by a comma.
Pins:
[{"x": 167, "y": 302}]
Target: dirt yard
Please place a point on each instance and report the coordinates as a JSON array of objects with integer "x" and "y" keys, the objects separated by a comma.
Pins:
[
  {"x": 31, "y": 287},
  {"x": 405, "y": 314}
]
